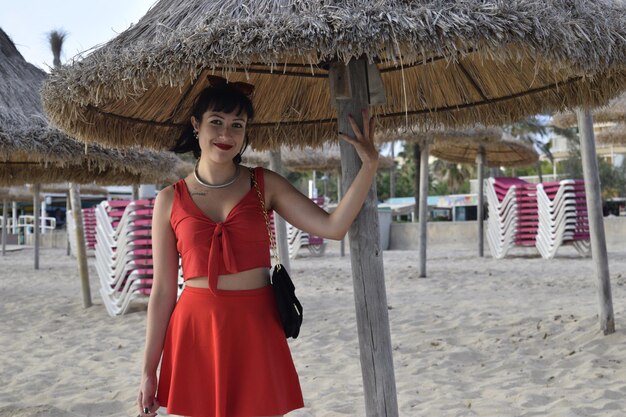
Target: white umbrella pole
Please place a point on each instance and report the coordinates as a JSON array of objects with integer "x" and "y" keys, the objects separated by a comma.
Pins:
[
  {"x": 350, "y": 90},
  {"x": 423, "y": 209},
  {"x": 276, "y": 165},
  {"x": 596, "y": 222},
  {"x": 81, "y": 246}
]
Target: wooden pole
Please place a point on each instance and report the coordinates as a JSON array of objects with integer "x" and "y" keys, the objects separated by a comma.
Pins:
[
  {"x": 14, "y": 216},
  {"x": 36, "y": 208},
  {"x": 68, "y": 209},
  {"x": 596, "y": 221},
  {"x": 480, "y": 161},
  {"x": 276, "y": 165},
  {"x": 416, "y": 191},
  {"x": 392, "y": 172},
  {"x": 81, "y": 246},
  {"x": 5, "y": 224},
  {"x": 135, "y": 192},
  {"x": 423, "y": 209},
  {"x": 349, "y": 84}
]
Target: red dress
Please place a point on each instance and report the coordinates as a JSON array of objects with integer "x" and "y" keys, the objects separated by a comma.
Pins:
[{"x": 225, "y": 352}]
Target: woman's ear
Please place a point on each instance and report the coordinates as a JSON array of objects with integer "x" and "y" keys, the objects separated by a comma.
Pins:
[{"x": 195, "y": 123}]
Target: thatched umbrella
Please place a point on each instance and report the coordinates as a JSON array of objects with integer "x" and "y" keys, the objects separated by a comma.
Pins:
[
  {"x": 615, "y": 135},
  {"x": 482, "y": 145},
  {"x": 489, "y": 147},
  {"x": 62, "y": 188},
  {"x": 615, "y": 111},
  {"x": 326, "y": 158},
  {"x": 441, "y": 62},
  {"x": 33, "y": 151}
]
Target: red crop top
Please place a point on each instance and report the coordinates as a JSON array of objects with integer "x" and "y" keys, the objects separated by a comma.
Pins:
[{"x": 209, "y": 248}]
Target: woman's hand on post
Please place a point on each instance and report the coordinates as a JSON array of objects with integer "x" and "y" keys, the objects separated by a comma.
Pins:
[
  {"x": 363, "y": 142},
  {"x": 146, "y": 398}
]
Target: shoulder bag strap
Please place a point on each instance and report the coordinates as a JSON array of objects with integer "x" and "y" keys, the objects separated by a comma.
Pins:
[{"x": 267, "y": 220}]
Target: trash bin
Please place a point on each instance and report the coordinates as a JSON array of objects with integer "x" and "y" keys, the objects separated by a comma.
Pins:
[{"x": 384, "y": 221}]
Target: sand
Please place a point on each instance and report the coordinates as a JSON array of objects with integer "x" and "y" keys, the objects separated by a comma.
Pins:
[{"x": 478, "y": 337}]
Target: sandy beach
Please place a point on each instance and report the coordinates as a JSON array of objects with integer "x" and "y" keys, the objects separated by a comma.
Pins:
[{"x": 478, "y": 337}]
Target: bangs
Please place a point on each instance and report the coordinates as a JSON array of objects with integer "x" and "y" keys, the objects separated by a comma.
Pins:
[{"x": 225, "y": 100}]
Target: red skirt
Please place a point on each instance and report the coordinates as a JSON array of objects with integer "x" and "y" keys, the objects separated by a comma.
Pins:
[{"x": 226, "y": 356}]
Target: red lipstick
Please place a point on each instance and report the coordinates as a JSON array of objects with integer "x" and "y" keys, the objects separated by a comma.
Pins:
[{"x": 223, "y": 146}]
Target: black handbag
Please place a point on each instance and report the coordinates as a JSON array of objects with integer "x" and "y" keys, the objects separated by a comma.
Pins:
[{"x": 289, "y": 307}]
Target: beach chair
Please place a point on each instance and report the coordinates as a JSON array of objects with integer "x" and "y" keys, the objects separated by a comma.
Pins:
[
  {"x": 124, "y": 252},
  {"x": 563, "y": 217},
  {"x": 512, "y": 215},
  {"x": 89, "y": 231},
  {"x": 297, "y": 239}
]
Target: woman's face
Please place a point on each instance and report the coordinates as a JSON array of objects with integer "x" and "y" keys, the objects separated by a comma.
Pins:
[{"x": 221, "y": 135}]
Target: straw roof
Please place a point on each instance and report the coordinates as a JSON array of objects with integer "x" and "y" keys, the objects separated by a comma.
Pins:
[
  {"x": 327, "y": 158},
  {"x": 615, "y": 135},
  {"x": 33, "y": 151},
  {"x": 413, "y": 134},
  {"x": 63, "y": 187},
  {"x": 450, "y": 63},
  {"x": 16, "y": 194},
  {"x": 615, "y": 111},
  {"x": 499, "y": 149}
]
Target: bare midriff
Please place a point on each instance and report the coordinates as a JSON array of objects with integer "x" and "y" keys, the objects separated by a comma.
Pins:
[{"x": 244, "y": 280}]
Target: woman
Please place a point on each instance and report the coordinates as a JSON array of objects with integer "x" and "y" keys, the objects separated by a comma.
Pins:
[{"x": 224, "y": 351}]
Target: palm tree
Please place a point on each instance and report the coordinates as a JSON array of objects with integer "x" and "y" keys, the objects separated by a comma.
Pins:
[
  {"x": 535, "y": 130},
  {"x": 454, "y": 175},
  {"x": 56, "y": 38}
]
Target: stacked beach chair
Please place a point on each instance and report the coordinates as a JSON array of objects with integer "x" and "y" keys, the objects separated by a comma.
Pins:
[
  {"x": 124, "y": 252},
  {"x": 89, "y": 229},
  {"x": 298, "y": 239},
  {"x": 562, "y": 217},
  {"x": 545, "y": 216},
  {"x": 89, "y": 222},
  {"x": 504, "y": 206}
]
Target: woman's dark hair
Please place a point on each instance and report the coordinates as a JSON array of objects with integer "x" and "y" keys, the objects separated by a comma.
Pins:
[{"x": 224, "y": 98}]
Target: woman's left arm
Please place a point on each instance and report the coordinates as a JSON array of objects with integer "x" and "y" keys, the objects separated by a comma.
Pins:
[{"x": 304, "y": 214}]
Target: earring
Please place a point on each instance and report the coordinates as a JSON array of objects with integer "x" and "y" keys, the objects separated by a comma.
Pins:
[{"x": 195, "y": 134}]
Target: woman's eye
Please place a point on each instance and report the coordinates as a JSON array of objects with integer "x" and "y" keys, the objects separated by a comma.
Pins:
[
  {"x": 215, "y": 122},
  {"x": 238, "y": 125}
]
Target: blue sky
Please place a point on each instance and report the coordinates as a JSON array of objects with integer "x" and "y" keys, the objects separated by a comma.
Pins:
[{"x": 87, "y": 22}]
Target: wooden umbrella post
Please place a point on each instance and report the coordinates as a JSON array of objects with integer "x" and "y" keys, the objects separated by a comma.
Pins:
[
  {"x": 392, "y": 172},
  {"x": 36, "y": 209},
  {"x": 135, "y": 195},
  {"x": 480, "y": 162},
  {"x": 68, "y": 208},
  {"x": 349, "y": 87},
  {"x": 596, "y": 222},
  {"x": 416, "y": 191},
  {"x": 5, "y": 222},
  {"x": 81, "y": 247},
  {"x": 423, "y": 209},
  {"x": 276, "y": 165}
]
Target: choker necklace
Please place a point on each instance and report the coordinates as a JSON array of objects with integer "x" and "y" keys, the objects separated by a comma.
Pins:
[{"x": 207, "y": 185}]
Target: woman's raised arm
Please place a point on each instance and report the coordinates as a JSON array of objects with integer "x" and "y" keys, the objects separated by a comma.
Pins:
[{"x": 304, "y": 214}]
